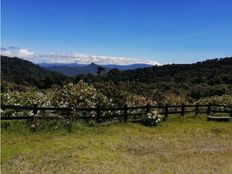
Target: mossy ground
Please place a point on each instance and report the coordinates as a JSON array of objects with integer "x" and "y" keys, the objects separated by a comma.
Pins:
[{"x": 180, "y": 145}]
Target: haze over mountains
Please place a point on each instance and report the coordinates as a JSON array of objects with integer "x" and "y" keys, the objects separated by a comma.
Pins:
[{"x": 74, "y": 69}]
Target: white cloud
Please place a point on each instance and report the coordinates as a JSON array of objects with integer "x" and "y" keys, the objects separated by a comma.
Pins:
[
  {"x": 17, "y": 52},
  {"x": 72, "y": 58},
  {"x": 25, "y": 53},
  {"x": 6, "y": 53}
]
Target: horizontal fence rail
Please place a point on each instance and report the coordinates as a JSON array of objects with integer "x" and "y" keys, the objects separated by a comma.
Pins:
[{"x": 124, "y": 112}]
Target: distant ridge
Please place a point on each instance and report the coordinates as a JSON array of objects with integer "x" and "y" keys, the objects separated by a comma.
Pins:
[
  {"x": 77, "y": 69},
  {"x": 72, "y": 69}
]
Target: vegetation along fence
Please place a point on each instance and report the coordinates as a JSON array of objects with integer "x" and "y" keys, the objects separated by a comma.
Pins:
[{"x": 101, "y": 113}]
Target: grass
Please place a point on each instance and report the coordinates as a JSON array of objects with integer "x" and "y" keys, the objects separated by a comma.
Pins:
[{"x": 180, "y": 145}]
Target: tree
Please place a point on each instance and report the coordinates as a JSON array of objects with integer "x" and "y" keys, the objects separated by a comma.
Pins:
[{"x": 99, "y": 70}]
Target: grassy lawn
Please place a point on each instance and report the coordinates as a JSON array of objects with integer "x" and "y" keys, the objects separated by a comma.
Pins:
[{"x": 180, "y": 145}]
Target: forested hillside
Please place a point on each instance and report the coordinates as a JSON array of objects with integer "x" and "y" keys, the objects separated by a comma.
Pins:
[
  {"x": 212, "y": 72},
  {"x": 208, "y": 78},
  {"x": 21, "y": 72}
]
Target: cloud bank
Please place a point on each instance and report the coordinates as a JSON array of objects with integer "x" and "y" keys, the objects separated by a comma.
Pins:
[
  {"x": 17, "y": 52},
  {"x": 71, "y": 58}
]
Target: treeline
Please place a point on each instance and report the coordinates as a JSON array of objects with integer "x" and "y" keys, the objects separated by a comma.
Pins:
[{"x": 201, "y": 79}]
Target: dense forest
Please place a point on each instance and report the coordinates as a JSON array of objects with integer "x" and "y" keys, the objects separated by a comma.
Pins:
[
  {"x": 187, "y": 82},
  {"x": 16, "y": 72},
  {"x": 201, "y": 79}
]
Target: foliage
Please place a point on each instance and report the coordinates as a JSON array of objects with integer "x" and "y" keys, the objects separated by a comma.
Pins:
[
  {"x": 151, "y": 118},
  {"x": 174, "y": 99},
  {"x": 100, "y": 70},
  {"x": 201, "y": 79},
  {"x": 79, "y": 95},
  {"x": 132, "y": 94},
  {"x": 25, "y": 98},
  {"x": 205, "y": 82},
  {"x": 22, "y": 72},
  {"x": 219, "y": 100},
  {"x": 180, "y": 82}
]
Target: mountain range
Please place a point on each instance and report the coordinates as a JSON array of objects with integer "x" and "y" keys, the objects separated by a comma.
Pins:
[{"x": 74, "y": 69}]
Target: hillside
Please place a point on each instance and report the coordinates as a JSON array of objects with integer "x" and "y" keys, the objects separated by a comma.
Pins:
[
  {"x": 22, "y": 72},
  {"x": 209, "y": 71},
  {"x": 201, "y": 79}
]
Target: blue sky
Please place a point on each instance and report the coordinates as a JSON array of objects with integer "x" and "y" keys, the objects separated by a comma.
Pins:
[{"x": 164, "y": 31}]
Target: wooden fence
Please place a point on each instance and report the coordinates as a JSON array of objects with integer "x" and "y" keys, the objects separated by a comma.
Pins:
[{"x": 125, "y": 113}]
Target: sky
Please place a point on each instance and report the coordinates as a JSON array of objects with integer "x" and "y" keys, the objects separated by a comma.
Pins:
[{"x": 116, "y": 31}]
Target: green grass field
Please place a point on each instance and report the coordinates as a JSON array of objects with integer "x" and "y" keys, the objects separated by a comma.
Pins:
[{"x": 180, "y": 145}]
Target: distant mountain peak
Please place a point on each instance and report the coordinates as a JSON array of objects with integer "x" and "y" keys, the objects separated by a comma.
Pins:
[
  {"x": 76, "y": 69},
  {"x": 93, "y": 64}
]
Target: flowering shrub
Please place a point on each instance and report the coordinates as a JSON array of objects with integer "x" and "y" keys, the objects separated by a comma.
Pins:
[
  {"x": 24, "y": 99},
  {"x": 135, "y": 100},
  {"x": 220, "y": 100},
  {"x": 83, "y": 95},
  {"x": 78, "y": 95},
  {"x": 174, "y": 99},
  {"x": 152, "y": 118}
]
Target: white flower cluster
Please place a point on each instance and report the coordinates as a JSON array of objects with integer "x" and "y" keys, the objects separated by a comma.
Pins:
[
  {"x": 154, "y": 116},
  {"x": 80, "y": 95}
]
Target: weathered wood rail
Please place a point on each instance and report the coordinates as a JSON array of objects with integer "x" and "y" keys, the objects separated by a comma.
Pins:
[{"x": 124, "y": 112}]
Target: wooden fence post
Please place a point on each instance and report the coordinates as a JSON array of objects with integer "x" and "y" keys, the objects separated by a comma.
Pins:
[
  {"x": 34, "y": 109},
  {"x": 166, "y": 112},
  {"x": 125, "y": 113},
  {"x": 69, "y": 113},
  {"x": 209, "y": 109},
  {"x": 182, "y": 109},
  {"x": 98, "y": 114},
  {"x": 148, "y": 108},
  {"x": 197, "y": 109}
]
